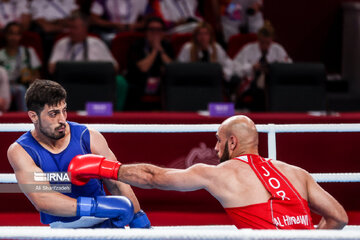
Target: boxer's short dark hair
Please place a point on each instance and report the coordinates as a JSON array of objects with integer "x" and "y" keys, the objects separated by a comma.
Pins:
[{"x": 42, "y": 92}]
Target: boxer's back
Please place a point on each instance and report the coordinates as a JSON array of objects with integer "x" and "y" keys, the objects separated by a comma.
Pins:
[{"x": 237, "y": 184}]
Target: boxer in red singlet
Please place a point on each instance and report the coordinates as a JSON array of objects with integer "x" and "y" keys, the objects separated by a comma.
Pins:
[{"x": 256, "y": 192}]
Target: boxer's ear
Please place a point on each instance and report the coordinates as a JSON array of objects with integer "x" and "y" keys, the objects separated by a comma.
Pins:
[
  {"x": 232, "y": 142},
  {"x": 33, "y": 117}
]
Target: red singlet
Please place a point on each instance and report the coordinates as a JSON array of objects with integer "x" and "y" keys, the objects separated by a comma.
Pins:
[{"x": 285, "y": 209}]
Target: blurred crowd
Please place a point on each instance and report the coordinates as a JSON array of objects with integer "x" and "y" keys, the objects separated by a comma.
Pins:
[{"x": 36, "y": 34}]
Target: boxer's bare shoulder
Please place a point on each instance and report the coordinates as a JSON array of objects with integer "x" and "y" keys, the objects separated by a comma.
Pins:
[
  {"x": 285, "y": 167},
  {"x": 296, "y": 175},
  {"x": 17, "y": 156}
]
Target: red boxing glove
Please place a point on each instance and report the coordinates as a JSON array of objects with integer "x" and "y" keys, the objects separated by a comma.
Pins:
[{"x": 84, "y": 167}]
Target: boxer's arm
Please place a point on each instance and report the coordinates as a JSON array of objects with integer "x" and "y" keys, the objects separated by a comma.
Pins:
[
  {"x": 322, "y": 203},
  {"x": 199, "y": 176},
  {"x": 53, "y": 203},
  {"x": 99, "y": 146}
]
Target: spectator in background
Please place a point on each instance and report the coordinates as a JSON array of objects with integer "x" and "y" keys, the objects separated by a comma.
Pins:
[
  {"x": 118, "y": 15},
  {"x": 204, "y": 48},
  {"x": 240, "y": 16},
  {"x": 146, "y": 63},
  {"x": 251, "y": 65},
  {"x": 52, "y": 15},
  {"x": 79, "y": 46},
  {"x": 21, "y": 63},
  {"x": 5, "y": 97},
  {"x": 15, "y": 11},
  {"x": 180, "y": 16},
  {"x": 50, "y": 18}
]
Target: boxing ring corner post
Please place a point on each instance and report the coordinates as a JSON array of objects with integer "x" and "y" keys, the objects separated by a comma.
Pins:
[{"x": 271, "y": 141}]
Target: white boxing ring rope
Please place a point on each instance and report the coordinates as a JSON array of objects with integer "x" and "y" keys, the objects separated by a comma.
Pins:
[
  {"x": 270, "y": 129},
  {"x": 319, "y": 177},
  {"x": 195, "y": 232},
  {"x": 176, "y": 233}
]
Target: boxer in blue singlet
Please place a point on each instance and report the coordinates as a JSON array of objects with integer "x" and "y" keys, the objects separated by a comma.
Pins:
[{"x": 48, "y": 148}]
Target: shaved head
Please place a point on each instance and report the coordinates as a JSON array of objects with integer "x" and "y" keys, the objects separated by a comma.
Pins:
[
  {"x": 241, "y": 136},
  {"x": 243, "y": 128}
]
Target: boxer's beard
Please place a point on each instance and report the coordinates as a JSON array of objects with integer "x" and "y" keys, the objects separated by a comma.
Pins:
[
  {"x": 51, "y": 134},
  {"x": 225, "y": 156}
]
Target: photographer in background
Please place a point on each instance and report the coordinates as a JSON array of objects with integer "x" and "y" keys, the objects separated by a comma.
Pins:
[{"x": 251, "y": 66}]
